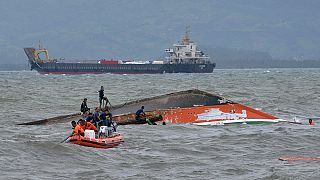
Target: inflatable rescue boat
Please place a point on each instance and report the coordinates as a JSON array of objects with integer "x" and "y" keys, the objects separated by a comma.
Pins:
[{"x": 106, "y": 140}]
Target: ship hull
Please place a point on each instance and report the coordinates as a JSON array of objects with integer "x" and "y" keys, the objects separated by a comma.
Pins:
[{"x": 91, "y": 68}]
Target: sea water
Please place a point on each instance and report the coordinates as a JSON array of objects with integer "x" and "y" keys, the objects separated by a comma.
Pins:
[{"x": 181, "y": 151}]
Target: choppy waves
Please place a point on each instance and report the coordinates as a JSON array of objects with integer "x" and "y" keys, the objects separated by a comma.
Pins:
[{"x": 161, "y": 152}]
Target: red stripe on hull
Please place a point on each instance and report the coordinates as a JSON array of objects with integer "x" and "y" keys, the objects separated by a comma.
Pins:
[{"x": 79, "y": 73}]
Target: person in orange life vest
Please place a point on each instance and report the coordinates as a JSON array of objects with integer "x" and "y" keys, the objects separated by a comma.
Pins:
[
  {"x": 73, "y": 124},
  {"x": 82, "y": 126},
  {"x": 87, "y": 125},
  {"x": 78, "y": 130}
]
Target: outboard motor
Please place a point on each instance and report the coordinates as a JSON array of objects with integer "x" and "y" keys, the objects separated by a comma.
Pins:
[{"x": 105, "y": 131}]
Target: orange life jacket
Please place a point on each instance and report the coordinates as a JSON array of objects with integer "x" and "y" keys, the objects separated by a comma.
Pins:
[
  {"x": 78, "y": 130},
  {"x": 89, "y": 126}
]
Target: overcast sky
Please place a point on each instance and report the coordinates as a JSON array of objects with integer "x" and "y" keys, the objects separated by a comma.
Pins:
[{"x": 142, "y": 29}]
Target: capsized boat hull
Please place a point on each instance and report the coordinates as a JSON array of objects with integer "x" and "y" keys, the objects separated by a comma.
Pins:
[
  {"x": 125, "y": 119},
  {"x": 227, "y": 113},
  {"x": 108, "y": 142},
  {"x": 191, "y": 106}
]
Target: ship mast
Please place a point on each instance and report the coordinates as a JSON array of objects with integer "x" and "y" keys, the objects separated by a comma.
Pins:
[
  {"x": 40, "y": 47},
  {"x": 185, "y": 39}
]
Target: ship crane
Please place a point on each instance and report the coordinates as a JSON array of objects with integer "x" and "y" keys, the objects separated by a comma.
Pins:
[{"x": 40, "y": 50}]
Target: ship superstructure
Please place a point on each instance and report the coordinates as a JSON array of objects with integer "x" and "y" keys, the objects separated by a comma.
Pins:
[{"x": 186, "y": 52}]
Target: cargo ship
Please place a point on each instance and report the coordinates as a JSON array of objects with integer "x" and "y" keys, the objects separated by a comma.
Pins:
[{"x": 184, "y": 57}]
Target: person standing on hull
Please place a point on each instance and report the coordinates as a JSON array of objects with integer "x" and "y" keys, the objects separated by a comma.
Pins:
[
  {"x": 102, "y": 98},
  {"x": 101, "y": 95},
  {"x": 84, "y": 107}
]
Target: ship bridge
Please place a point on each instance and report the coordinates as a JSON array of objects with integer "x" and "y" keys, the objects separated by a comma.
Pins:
[{"x": 186, "y": 52}]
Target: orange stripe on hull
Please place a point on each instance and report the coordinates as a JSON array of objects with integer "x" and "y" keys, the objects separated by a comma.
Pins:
[{"x": 216, "y": 113}]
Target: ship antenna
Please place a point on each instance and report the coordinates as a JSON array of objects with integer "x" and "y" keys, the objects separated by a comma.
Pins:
[
  {"x": 187, "y": 32},
  {"x": 39, "y": 45},
  {"x": 186, "y": 39}
]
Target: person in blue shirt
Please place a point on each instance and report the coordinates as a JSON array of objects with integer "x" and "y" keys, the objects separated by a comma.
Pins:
[
  {"x": 89, "y": 118},
  {"x": 103, "y": 119},
  {"x": 109, "y": 118},
  {"x": 106, "y": 118},
  {"x": 140, "y": 115},
  {"x": 96, "y": 116}
]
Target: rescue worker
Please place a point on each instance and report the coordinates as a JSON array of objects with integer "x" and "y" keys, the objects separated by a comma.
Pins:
[
  {"x": 103, "y": 119},
  {"x": 89, "y": 118},
  {"x": 82, "y": 126},
  {"x": 78, "y": 130},
  {"x": 101, "y": 95},
  {"x": 87, "y": 125},
  {"x": 109, "y": 118},
  {"x": 84, "y": 107},
  {"x": 73, "y": 124},
  {"x": 95, "y": 116},
  {"x": 140, "y": 115}
]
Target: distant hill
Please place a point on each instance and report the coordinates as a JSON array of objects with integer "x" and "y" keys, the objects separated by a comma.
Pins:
[
  {"x": 250, "y": 64},
  {"x": 237, "y": 58},
  {"x": 225, "y": 58}
]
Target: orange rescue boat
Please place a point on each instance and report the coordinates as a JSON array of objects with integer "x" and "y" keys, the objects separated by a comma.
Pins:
[{"x": 105, "y": 142}]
